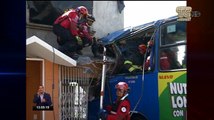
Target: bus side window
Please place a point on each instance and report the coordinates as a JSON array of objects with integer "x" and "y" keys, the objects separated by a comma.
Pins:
[
  {"x": 172, "y": 58},
  {"x": 173, "y": 33},
  {"x": 184, "y": 61},
  {"x": 172, "y": 53}
]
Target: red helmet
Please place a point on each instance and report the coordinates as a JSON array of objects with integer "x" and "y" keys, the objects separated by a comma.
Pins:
[
  {"x": 83, "y": 10},
  {"x": 122, "y": 86},
  {"x": 142, "y": 48}
]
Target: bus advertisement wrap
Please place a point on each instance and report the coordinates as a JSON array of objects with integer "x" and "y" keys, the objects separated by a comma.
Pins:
[{"x": 172, "y": 91}]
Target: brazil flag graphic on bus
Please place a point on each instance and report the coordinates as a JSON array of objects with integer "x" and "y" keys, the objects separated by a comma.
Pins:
[{"x": 172, "y": 91}]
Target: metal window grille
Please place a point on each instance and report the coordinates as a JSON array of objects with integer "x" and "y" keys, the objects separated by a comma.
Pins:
[{"x": 73, "y": 90}]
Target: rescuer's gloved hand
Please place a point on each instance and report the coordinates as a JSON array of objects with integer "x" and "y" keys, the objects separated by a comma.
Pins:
[
  {"x": 79, "y": 40},
  {"x": 102, "y": 114}
]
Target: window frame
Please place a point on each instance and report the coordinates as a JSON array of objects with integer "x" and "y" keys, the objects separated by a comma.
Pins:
[{"x": 161, "y": 47}]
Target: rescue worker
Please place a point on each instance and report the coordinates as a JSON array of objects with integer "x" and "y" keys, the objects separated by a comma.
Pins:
[
  {"x": 66, "y": 29},
  {"x": 84, "y": 33},
  {"x": 120, "y": 109},
  {"x": 172, "y": 58},
  {"x": 164, "y": 61},
  {"x": 134, "y": 62}
]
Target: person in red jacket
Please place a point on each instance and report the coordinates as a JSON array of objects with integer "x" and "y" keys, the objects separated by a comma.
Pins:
[
  {"x": 66, "y": 29},
  {"x": 84, "y": 32},
  {"x": 164, "y": 61},
  {"x": 121, "y": 107}
]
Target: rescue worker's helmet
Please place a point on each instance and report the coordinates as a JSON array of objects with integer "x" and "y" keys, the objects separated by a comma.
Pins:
[
  {"x": 122, "y": 86},
  {"x": 82, "y": 9},
  {"x": 142, "y": 48}
]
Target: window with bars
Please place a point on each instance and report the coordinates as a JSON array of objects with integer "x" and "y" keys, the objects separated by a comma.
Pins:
[{"x": 74, "y": 89}]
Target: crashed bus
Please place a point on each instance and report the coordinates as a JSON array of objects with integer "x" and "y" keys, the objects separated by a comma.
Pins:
[{"x": 158, "y": 92}]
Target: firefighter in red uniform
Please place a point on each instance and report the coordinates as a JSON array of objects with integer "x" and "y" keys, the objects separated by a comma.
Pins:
[
  {"x": 84, "y": 32},
  {"x": 121, "y": 108},
  {"x": 66, "y": 29}
]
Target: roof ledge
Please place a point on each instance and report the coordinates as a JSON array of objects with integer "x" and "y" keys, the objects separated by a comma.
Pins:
[{"x": 37, "y": 48}]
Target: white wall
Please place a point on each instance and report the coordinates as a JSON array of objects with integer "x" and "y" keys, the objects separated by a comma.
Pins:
[{"x": 108, "y": 18}]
